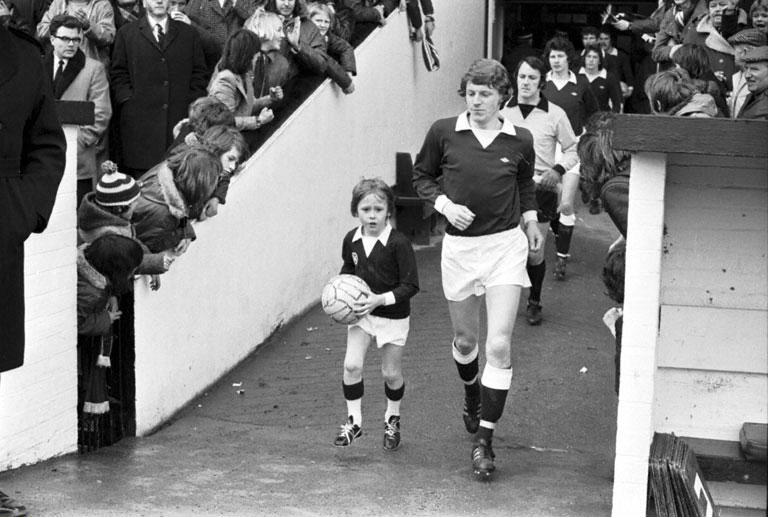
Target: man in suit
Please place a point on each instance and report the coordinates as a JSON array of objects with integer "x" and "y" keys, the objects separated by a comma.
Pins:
[
  {"x": 32, "y": 158},
  {"x": 158, "y": 69},
  {"x": 76, "y": 77}
]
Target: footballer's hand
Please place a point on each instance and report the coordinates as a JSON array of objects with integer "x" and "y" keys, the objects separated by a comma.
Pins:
[
  {"x": 458, "y": 215},
  {"x": 535, "y": 239},
  {"x": 549, "y": 180}
]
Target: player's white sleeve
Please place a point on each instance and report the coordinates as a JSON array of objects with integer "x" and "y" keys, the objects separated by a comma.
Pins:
[{"x": 568, "y": 142}]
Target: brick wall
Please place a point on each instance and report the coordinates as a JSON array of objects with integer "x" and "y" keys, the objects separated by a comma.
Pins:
[{"x": 38, "y": 414}]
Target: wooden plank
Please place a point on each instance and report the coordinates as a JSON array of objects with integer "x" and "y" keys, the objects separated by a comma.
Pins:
[
  {"x": 78, "y": 113},
  {"x": 718, "y": 162},
  {"x": 686, "y": 135},
  {"x": 710, "y": 405},
  {"x": 751, "y": 174},
  {"x": 704, "y": 339}
]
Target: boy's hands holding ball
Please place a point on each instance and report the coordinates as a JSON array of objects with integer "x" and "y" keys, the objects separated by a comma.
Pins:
[{"x": 373, "y": 301}]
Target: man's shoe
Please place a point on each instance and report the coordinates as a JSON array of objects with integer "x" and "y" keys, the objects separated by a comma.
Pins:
[
  {"x": 482, "y": 459},
  {"x": 10, "y": 507},
  {"x": 533, "y": 313},
  {"x": 392, "y": 433},
  {"x": 349, "y": 432},
  {"x": 560, "y": 268},
  {"x": 595, "y": 206}
]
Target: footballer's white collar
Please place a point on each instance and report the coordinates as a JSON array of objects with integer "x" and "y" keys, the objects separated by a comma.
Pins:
[
  {"x": 571, "y": 77},
  {"x": 603, "y": 72},
  {"x": 383, "y": 237},
  {"x": 462, "y": 124}
]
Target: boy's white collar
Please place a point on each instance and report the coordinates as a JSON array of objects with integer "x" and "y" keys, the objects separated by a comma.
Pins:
[{"x": 383, "y": 237}]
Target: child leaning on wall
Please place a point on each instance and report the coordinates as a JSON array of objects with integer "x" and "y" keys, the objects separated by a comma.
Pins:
[
  {"x": 613, "y": 278},
  {"x": 108, "y": 210}
]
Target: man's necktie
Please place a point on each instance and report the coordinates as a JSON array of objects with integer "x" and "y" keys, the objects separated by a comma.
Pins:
[
  {"x": 159, "y": 34},
  {"x": 227, "y": 7},
  {"x": 57, "y": 78}
]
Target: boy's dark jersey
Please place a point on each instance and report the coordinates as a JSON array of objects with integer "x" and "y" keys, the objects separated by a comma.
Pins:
[{"x": 387, "y": 268}]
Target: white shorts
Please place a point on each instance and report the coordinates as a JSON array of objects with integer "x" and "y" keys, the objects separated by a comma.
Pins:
[
  {"x": 384, "y": 330},
  {"x": 470, "y": 265}
]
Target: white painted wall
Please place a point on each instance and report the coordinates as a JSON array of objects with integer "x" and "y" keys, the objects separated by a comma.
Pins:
[
  {"x": 38, "y": 402},
  {"x": 713, "y": 339},
  {"x": 264, "y": 259},
  {"x": 639, "y": 336}
]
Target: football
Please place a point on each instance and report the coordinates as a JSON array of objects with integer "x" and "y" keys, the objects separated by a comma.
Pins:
[{"x": 340, "y": 295}]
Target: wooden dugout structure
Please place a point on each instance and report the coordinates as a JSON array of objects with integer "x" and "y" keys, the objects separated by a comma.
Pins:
[{"x": 694, "y": 358}]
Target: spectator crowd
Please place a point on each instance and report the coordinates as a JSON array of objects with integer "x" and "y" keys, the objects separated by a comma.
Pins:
[{"x": 182, "y": 91}]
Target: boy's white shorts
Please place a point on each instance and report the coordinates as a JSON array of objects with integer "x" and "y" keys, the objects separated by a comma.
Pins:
[
  {"x": 470, "y": 265},
  {"x": 384, "y": 330}
]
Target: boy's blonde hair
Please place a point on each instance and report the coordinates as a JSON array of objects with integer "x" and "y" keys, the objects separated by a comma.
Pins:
[
  {"x": 321, "y": 8},
  {"x": 375, "y": 186},
  {"x": 266, "y": 25}
]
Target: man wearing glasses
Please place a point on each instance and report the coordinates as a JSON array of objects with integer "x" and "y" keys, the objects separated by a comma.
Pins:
[{"x": 76, "y": 77}]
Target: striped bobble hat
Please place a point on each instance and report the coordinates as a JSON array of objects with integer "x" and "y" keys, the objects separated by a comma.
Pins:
[{"x": 115, "y": 189}]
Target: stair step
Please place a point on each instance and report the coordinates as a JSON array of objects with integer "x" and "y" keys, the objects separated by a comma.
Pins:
[{"x": 732, "y": 497}]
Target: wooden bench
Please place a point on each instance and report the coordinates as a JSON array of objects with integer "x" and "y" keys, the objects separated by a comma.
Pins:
[{"x": 413, "y": 215}]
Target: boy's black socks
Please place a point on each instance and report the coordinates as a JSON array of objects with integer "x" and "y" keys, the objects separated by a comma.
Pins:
[
  {"x": 354, "y": 391},
  {"x": 394, "y": 394}
]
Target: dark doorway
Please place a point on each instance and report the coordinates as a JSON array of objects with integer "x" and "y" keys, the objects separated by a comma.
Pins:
[{"x": 107, "y": 395}]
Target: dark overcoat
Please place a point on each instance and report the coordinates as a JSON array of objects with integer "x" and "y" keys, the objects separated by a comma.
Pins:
[
  {"x": 153, "y": 86},
  {"x": 32, "y": 158}
]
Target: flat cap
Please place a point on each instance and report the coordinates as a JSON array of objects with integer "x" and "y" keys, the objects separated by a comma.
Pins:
[
  {"x": 754, "y": 37},
  {"x": 756, "y": 54}
]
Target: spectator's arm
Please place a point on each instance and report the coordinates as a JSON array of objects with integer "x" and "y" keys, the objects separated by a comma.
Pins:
[
  {"x": 56, "y": 7},
  {"x": 89, "y": 322},
  {"x": 340, "y": 50},
  {"x": 199, "y": 78},
  {"x": 644, "y": 26},
  {"x": 102, "y": 29},
  {"x": 664, "y": 45},
  {"x": 337, "y": 73},
  {"x": 414, "y": 14},
  {"x": 225, "y": 90},
  {"x": 360, "y": 12},
  {"x": 311, "y": 51},
  {"x": 222, "y": 187},
  {"x": 120, "y": 74},
  {"x": 245, "y": 8},
  {"x": 98, "y": 93}
]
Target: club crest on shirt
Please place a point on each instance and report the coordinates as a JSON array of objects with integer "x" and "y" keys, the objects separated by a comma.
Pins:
[{"x": 354, "y": 258}]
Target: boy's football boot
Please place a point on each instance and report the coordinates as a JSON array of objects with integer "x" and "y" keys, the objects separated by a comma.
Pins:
[
  {"x": 482, "y": 459},
  {"x": 349, "y": 432}
]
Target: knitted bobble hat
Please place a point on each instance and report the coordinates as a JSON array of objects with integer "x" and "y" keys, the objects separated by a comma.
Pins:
[{"x": 115, "y": 189}]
